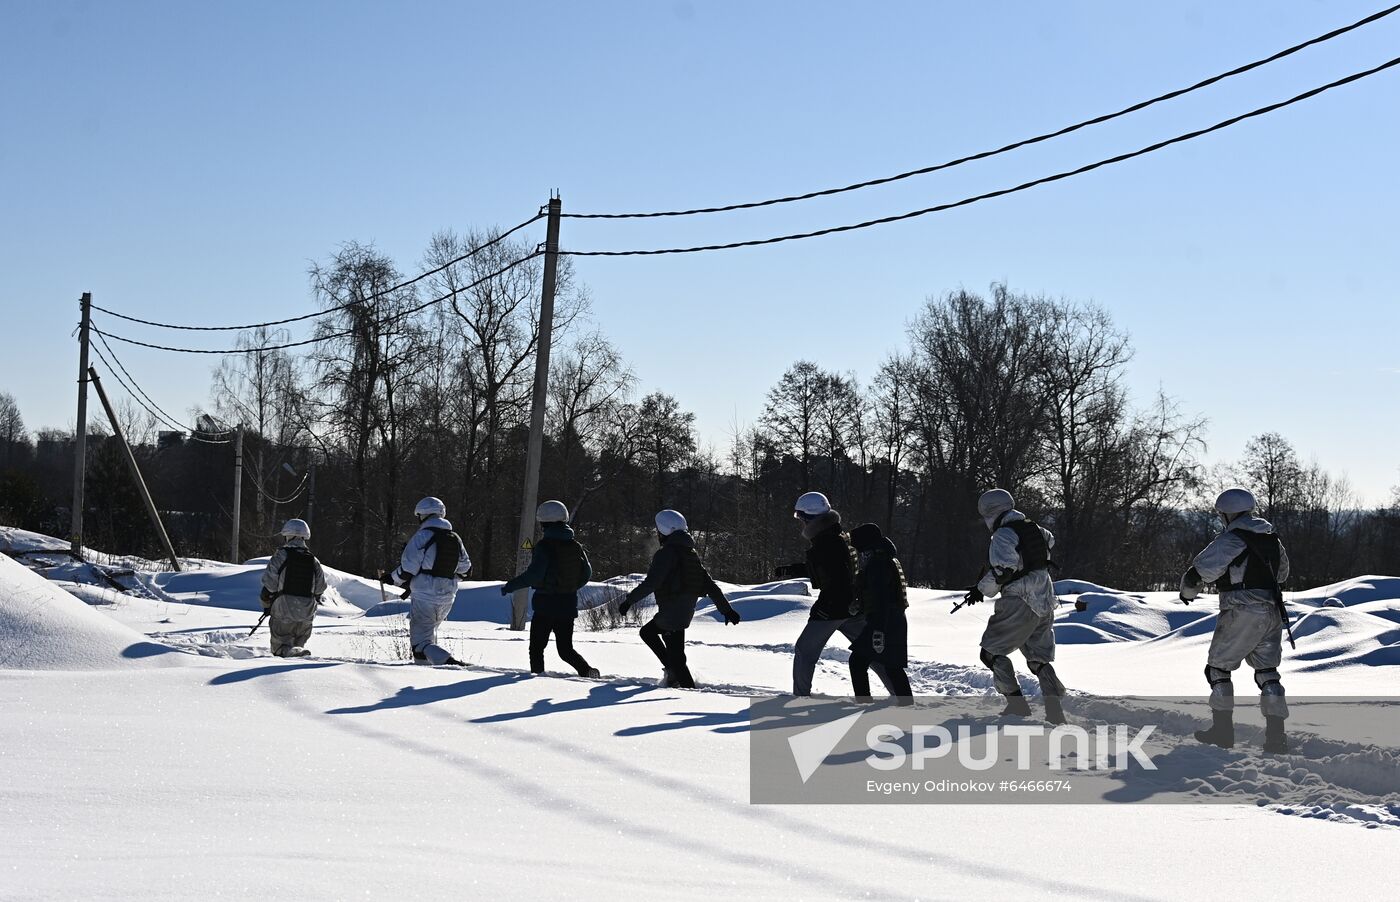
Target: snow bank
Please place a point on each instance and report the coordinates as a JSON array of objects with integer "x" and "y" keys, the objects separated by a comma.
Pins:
[{"x": 42, "y": 627}]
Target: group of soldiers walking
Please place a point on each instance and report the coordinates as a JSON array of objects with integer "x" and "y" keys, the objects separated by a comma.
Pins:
[{"x": 861, "y": 593}]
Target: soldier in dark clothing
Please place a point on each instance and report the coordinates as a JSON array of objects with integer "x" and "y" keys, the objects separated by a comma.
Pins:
[
  {"x": 559, "y": 567},
  {"x": 831, "y": 566},
  {"x": 678, "y": 579},
  {"x": 883, "y": 597}
]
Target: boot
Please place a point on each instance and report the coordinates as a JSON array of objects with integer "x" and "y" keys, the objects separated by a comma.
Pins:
[
  {"x": 1016, "y": 706},
  {"x": 454, "y": 662},
  {"x": 591, "y": 673},
  {"x": 1054, "y": 711},
  {"x": 1222, "y": 730},
  {"x": 420, "y": 658},
  {"x": 667, "y": 680},
  {"x": 1275, "y": 743}
]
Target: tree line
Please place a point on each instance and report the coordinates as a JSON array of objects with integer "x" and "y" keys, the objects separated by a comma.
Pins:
[{"x": 1004, "y": 389}]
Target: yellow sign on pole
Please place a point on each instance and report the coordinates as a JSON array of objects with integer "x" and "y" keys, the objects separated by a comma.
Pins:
[{"x": 527, "y": 545}]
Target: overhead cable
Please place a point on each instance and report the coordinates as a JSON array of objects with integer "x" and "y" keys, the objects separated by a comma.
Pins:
[
  {"x": 1097, "y": 120},
  {"x": 305, "y": 316},
  {"x": 1004, "y": 191},
  {"x": 330, "y": 336}
]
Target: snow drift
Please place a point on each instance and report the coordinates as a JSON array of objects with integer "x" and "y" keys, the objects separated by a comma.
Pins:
[{"x": 42, "y": 627}]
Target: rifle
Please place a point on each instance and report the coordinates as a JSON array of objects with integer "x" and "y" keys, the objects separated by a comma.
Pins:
[
  {"x": 986, "y": 568},
  {"x": 259, "y": 623}
]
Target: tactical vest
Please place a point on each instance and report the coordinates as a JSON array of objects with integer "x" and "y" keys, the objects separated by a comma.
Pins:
[
  {"x": 298, "y": 572},
  {"x": 1031, "y": 545},
  {"x": 565, "y": 573},
  {"x": 1261, "y": 558},
  {"x": 449, "y": 552}
]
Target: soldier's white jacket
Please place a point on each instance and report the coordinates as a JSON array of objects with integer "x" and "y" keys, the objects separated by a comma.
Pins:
[
  {"x": 1214, "y": 563},
  {"x": 420, "y": 554},
  {"x": 1036, "y": 589}
]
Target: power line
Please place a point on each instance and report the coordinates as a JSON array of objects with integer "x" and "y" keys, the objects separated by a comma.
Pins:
[
  {"x": 137, "y": 394},
  {"x": 134, "y": 388},
  {"x": 296, "y": 492},
  {"x": 331, "y": 336},
  {"x": 1097, "y": 120},
  {"x": 1004, "y": 191},
  {"x": 296, "y": 319}
]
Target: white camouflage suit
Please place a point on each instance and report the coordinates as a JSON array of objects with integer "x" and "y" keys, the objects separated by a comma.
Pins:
[
  {"x": 1024, "y": 616},
  {"x": 291, "y": 615},
  {"x": 1249, "y": 628},
  {"x": 431, "y": 597}
]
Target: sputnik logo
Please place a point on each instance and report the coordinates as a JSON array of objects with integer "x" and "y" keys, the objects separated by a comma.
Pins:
[{"x": 810, "y": 747}]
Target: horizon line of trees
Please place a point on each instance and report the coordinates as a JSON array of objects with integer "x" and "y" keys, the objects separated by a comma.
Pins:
[{"x": 1004, "y": 389}]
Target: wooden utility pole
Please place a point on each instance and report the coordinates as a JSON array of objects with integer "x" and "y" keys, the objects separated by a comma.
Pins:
[
  {"x": 234, "y": 556},
  {"x": 80, "y": 436},
  {"x": 520, "y": 601},
  {"x": 135, "y": 472}
]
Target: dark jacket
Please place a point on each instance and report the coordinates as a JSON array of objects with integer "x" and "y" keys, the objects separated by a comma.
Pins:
[
  {"x": 559, "y": 567},
  {"x": 831, "y": 566},
  {"x": 678, "y": 579},
  {"x": 883, "y": 597}
]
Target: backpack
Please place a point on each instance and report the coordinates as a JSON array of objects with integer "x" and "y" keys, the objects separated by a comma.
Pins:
[
  {"x": 449, "y": 552},
  {"x": 298, "y": 572},
  {"x": 566, "y": 566},
  {"x": 689, "y": 578}
]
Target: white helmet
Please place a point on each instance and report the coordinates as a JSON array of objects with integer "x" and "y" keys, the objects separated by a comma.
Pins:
[
  {"x": 1235, "y": 501},
  {"x": 430, "y": 507},
  {"x": 669, "y": 521},
  {"x": 812, "y": 504},
  {"x": 994, "y": 503},
  {"x": 552, "y": 512},
  {"x": 296, "y": 529}
]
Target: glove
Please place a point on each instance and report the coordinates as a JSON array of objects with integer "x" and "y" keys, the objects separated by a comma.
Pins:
[
  {"x": 731, "y": 616},
  {"x": 625, "y": 606},
  {"x": 504, "y": 590},
  {"x": 973, "y": 596}
]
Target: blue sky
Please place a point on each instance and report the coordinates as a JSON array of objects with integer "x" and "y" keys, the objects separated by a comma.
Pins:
[{"x": 187, "y": 161}]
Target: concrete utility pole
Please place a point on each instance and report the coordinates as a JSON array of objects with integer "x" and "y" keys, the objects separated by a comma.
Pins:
[
  {"x": 234, "y": 556},
  {"x": 520, "y": 602},
  {"x": 135, "y": 471},
  {"x": 80, "y": 436},
  {"x": 311, "y": 493}
]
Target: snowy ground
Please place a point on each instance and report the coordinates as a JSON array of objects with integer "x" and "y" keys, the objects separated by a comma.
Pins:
[{"x": 148, "y": 749}]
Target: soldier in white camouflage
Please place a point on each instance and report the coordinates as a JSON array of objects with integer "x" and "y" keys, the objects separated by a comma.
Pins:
[
  {"x": 1248, "y": 564},
  {"x": 292, "y": 586}
]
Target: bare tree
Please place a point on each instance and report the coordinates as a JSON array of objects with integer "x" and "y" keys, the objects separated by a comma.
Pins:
[
  {"x": 364, "y": 365},
  {"x": 665, "y": 436},
  {"x": 14, "y": 439},
  {"x": 588, "y": 384}
]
